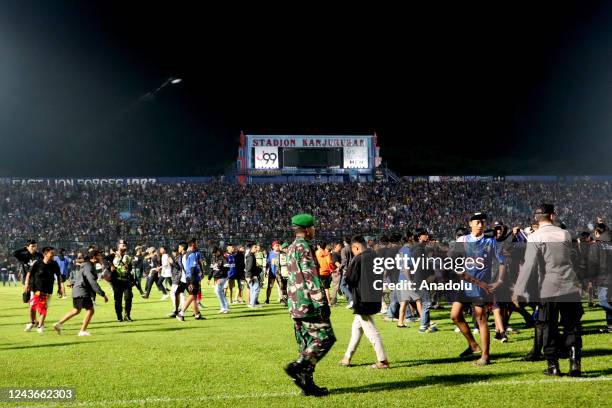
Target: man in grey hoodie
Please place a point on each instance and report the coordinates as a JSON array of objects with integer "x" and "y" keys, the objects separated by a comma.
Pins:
[{"x": 83, "y": 288}]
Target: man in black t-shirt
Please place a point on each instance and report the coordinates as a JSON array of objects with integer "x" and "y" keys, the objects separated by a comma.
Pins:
[
  {"x": 27, "y": 256},
  {"x": 39, "y": 281}
]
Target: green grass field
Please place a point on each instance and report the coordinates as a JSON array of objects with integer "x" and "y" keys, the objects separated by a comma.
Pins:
[{"x": 237, "y": 360}]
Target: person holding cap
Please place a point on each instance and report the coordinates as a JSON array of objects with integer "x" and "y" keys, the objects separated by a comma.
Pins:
[
  {"x": 481, "y": 249},
  {"x": 547, "y": 276},
  {"x": 308, "y": 307}
]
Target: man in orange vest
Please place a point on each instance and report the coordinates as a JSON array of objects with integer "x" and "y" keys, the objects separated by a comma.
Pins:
[{"x": 326, "y": 266}]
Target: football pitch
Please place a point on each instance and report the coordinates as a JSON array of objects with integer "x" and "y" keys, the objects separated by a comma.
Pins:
[{"x": 237, "y": 360}]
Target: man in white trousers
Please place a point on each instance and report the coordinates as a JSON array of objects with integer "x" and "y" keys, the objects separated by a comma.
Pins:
[{"x": 360, "y": 279}]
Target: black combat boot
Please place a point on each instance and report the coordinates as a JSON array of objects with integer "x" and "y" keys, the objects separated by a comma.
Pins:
[
  {"x": 313, "y": 389},
  {"x": 574, "y": 358},
  {"x": 553, "y": 368},
  {"x": 297, "y": 371}
]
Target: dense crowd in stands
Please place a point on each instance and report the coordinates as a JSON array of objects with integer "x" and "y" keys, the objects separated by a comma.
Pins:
[{"x": 218, "y": 210}]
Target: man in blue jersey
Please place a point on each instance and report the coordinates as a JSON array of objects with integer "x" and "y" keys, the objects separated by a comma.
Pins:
[
  {"x": 479, "y": 253},
  {"x": 64, "y": 263},
  {"x": 190, "y": 280}
]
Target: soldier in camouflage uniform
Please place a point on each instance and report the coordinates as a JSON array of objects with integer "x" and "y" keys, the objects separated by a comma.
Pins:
[{"x": 308, "y": 307}]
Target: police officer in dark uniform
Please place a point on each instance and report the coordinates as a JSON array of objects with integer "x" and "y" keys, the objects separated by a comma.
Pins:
[
  {"x": 122, "y": 281},
  {"x": 548, "y": 275}
]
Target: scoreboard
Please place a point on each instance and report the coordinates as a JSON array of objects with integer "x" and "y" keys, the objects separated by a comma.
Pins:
[{"x": 303, "y": 155}]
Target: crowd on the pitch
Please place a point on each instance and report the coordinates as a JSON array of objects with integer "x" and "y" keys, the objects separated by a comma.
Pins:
[
  {"x": 104, "y": 214},
  {"x": 238, "y": 272}
]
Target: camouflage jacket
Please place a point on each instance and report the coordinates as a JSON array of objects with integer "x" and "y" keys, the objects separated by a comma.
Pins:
[{"x": 304, "y": 288}]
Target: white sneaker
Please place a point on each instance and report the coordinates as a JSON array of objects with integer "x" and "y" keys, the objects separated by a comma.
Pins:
[
  {"x": 28, "y": 327},
  {"x": 164, "y": 297},
  {"x": 509, "y": 329},
  {"x": 58, "y": 328},
  {"x": 226, "y": 311},
  {"x": 350, "y": 305},
  {"x": 457, "y": 330},
  {"x": 40, "y": 329},
  {"x": 235, "y": 302},
  {"x": 83, "y": 334},
  {"x": 476, "y": 331},
  {"x": 221, "y": 311}
]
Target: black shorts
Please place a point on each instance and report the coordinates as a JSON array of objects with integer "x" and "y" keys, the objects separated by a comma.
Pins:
[
  {"x": 82, "y": 303},
  {"x": 193, "y": 288},
  {"x": 480, "y": 301},
  {"x": 326, "y": 281}
]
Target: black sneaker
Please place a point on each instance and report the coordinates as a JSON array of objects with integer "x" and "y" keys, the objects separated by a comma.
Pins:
[
  {"x": 267, "y": 301},
  {"x": 120, "y": 319},
  {"x": 498, "y": 335},
  {"x": 504, "y": 337},
  {"x": 199, "y": 317},
  {"x": 173, "y": 314}
]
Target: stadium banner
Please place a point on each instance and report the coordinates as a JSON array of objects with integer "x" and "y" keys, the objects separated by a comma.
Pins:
[
  {"x": 106, "y": 181},
  {"x": 70, "y": 182},
  {"x": 307, "y": 141},
  {"x": 355, "y": 157},
  {"x": 266, "y": 158}
]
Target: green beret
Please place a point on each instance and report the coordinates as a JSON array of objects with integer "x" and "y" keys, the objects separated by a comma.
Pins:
[{"x": 303, "y": 220}]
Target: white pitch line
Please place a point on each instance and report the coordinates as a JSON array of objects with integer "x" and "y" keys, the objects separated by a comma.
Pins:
[
  {"x": 543, "y": 381},
  {"x": 293, "y": 394}
]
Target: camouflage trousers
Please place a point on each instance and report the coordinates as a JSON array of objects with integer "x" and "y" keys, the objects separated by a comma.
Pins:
[{"x": 314, "y": 338}]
